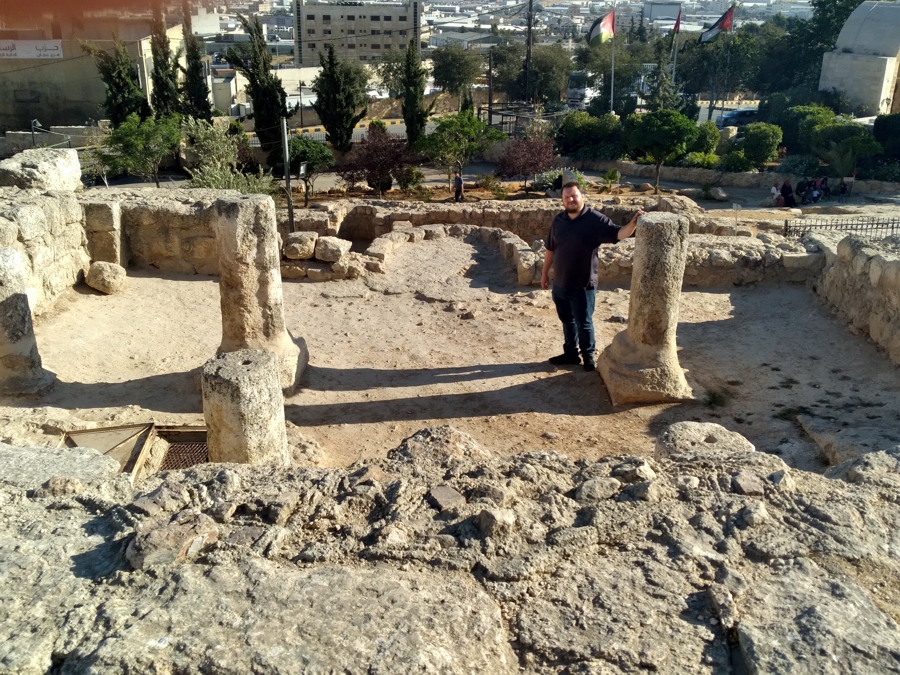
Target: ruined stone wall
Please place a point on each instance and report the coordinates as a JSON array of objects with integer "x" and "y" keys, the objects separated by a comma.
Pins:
[
  {"x": 48, "y": 228},
  {"x": 862, "y": 282}
]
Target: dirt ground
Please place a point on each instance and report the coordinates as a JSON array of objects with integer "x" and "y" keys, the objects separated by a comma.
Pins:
[{"x": 395, "y": 355}]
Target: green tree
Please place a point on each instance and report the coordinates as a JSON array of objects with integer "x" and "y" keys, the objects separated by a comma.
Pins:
[
  {"x": 508, "y": 61},
  {"x": 415, "y": 114},
  {"x": 340, "y": 89},
  {"x": 456, "y": 140},
  {"x": 887, "y": 132},
  {"x": 761, "y": 142},
  {"x": 707, "y": 138},
  {"x": 663, "y": 94},
  {"x": 217, "y": 151},
  {"x": 140, "y": 147},
  {"x": 318, "y": 158},
  {"x": 119, "y": 74},
  {"x": 165, "y": 96},
  {"x": 661, "y": 135},
  {"x": 842, "y": 143},
  {"x": 455, "y": 69},
  {"x": 390, "y": 71},
  {"x": 579, "y": 130},
  {"x": 254, "y": 62},
  {"x": 195, "y": 91}
]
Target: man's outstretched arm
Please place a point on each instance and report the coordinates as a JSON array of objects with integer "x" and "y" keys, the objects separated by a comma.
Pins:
[
  {"x": 628, "y": 230},
  {"x": 545, "y": 272}
]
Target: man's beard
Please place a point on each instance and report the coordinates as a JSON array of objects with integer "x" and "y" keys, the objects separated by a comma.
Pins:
[{"x": 574, "y": 208}]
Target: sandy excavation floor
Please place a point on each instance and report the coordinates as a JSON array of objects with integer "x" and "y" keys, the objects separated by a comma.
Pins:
[{"x": 395, "y": 356}]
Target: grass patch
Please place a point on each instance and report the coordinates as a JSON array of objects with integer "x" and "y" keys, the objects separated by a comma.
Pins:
[{"x": 716, "y": 399}]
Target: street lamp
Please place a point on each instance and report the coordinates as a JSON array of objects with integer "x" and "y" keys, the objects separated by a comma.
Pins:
[
  {"x": 301, "y": 84},
  {"x": 34, "y": 125}
]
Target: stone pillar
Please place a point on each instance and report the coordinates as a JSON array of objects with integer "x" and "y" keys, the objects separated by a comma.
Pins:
[
  {"x": 250, "y": 285},
  {"x": 641, "y": 364},
  {"x": 103, "y": 225},
  {"x": 244, "y": 408},
  {"x": 20, "y": 363}
]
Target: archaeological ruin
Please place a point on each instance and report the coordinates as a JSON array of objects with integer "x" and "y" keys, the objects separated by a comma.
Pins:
[{"x": 230, "y": 447}]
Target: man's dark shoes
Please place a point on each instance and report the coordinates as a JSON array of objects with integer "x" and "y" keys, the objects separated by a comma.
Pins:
[
  {"x": 565, "y": 360},
  {"x": 589, "y": 363}
]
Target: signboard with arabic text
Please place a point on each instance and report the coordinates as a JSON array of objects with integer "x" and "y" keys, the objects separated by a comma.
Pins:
[{"x": 31, "y": 49}]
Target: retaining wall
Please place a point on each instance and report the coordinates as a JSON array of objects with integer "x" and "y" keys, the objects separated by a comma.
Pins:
[
  {"x": 760, "y": 181},
  {"x": 861, "y": 281}
]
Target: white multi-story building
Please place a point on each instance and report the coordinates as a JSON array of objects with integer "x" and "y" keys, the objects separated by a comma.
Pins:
[{"x": 356, "y": 30}]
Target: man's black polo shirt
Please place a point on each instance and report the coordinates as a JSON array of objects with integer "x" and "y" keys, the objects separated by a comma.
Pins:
[{"x": 574, "y": 242}]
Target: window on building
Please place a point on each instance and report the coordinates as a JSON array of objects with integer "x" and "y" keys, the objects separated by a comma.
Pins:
[
  {"x": 327, "y": 31},
  {"x": 351, "y": 46},
  {"x": 376, "y": 46},
  {"x": 388, "y": 33},
  {"x": 310, "y": 31},
  {"x": 351, "y": 31},
  {"x": 403, "y": 45},
  {"x": 310, "y": 17},
  {"x": 402, "y": 18},
  {"x": 376, "y": 18},
  {"x": 310, "y": 45},
  {"x": 326, "y": 17},
  {"x": 351, "y": 17},
  {"x": 362, "y": 58},
  {"x": 376, "y": 32},
  {"x": 402, "y": 33},
  {"x": 387, "y": 18}
]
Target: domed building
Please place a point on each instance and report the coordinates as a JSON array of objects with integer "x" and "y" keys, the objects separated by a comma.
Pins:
[{"x": 865, "y": 59}]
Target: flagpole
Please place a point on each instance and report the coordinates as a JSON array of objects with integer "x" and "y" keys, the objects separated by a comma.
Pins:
[
  {"x": 612, "y": 79},
  {"x": 675, "y": 58}
]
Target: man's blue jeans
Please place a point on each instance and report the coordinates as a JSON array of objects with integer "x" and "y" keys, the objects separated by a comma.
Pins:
[{"x": 575, "y": 308}]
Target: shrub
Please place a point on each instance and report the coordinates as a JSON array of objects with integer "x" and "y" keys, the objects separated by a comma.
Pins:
[
  {"x": 607, "y": 151},
  {"x": 707, "y": 140},
  {"x": 410, "y": 178},
  {"x": 887, "y": 132},
  {"x": 800, "y": 165},
  {"x": 888, "y": 170},
  {"x": 544, "y": 181},
  {"x": 701, "y": 160},
  {"x": 523, "y": 158},
  {"x": 663, "y": 135},
  {"x": 499, "y": 192},
  {"x": 799, "y": 121},
  {"x": 580, "y": 130},
  {"x": 487, "y": 181},
  {"x": 735, "y": 162},
  {"x": 761, "y": 142}
]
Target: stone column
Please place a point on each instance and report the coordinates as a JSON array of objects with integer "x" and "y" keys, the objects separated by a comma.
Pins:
[
  {"x": 244, "y": 408},
  {"x": 250, "y": 285},
  {"x": 641, "y": 364},
  {"x": 20, "y": 363}
]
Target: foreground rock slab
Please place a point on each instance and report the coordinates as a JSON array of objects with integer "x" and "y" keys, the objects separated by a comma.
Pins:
[
  {"x": 711, "y": 561},
  {"x": 42, "y": 169}
]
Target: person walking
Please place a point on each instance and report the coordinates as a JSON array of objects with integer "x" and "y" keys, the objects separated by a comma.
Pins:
[
  {"x": 572, "y": 243},
  {"x": 458, "y": 187}
]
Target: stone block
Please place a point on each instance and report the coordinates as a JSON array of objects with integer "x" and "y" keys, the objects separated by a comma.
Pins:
[
  {"x": 300, "y": 245},
  {"x": 42, "y": 169},
  {"x": 106, "y": 277},
  {"x": 30, "y": 468},
  {"x": 699, "y": 436},
  {"x": 331, "y": 249},
  {"x": 244, "y": 408}
]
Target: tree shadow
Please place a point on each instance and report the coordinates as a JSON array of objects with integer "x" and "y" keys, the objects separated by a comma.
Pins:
[{"x": 319, "y": 378}]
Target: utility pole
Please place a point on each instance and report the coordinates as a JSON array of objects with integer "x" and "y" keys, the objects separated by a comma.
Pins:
[
  {"x": 287, "y": 171},
  {"x": 529, "y": 21},
  {"x": 490, "y": 87}
]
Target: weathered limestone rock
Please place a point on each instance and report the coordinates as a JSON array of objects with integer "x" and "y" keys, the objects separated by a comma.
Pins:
[
  {"x": 718, "y": 194},
  {"x": 169, "y": 542},
  {"x": 42, "y": 169},
  {"x": 331, "y": 249},
  {"x": 690, "y": 436},
  {"x": 30, "y": 468},
  {"x": 840, "y": 444},
  {"x": 300, "y": 245},
  {"x": 250, "y": 285},
  {"x": 106, "y": 277},
  {"x": 244, "y": 408},
  {"x": 103, "y": 224},
  {"x": 20, "y": 363},
  {"x": 641, "y": 365}
]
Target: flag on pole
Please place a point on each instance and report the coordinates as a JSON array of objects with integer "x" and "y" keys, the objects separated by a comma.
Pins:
[
  {"x": 677, "y": 28},
  {"x": 723, "y": 24},
  {"x": 602, "y": 29}
]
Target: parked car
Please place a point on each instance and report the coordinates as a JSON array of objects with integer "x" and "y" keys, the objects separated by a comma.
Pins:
[{"x": 737, "y": 118}]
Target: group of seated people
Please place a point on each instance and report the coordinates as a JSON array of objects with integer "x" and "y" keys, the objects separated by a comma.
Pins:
[{"x": 808, "y": 191}]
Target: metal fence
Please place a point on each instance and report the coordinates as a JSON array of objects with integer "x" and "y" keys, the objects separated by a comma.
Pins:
[
  {"x": 872, "y": 226},
  {"x": 319, "y": 134}
]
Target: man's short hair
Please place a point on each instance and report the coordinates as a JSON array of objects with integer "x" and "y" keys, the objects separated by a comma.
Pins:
[{"x": 572, "y": 183}]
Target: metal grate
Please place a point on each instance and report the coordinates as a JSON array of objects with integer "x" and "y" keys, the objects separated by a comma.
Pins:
[
  {"x": 184, "y": 456},
  {"x": 866, "y": 225}
]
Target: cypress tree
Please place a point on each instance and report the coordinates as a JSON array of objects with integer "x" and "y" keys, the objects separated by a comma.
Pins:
[
  {"x": 195, "y": 91},
  {"x": 415, "y": 115},
  {"x": 165, "y": 96},
  {"x": 254, "y": 62},
  {"x": 124, "y": 95},
  {"x": 340, "y": 89}
]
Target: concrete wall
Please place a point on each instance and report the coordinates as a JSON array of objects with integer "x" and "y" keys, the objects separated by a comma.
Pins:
[{"x": 867, "y": 80}]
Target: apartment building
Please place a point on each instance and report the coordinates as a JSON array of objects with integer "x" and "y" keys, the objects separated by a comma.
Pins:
[{"x": 356, "y": 30}]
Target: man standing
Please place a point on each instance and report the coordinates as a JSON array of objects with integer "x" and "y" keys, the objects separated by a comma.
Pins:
[
  {"x": 458, "y": 187},
  {"x": 575, "y": 235}
]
